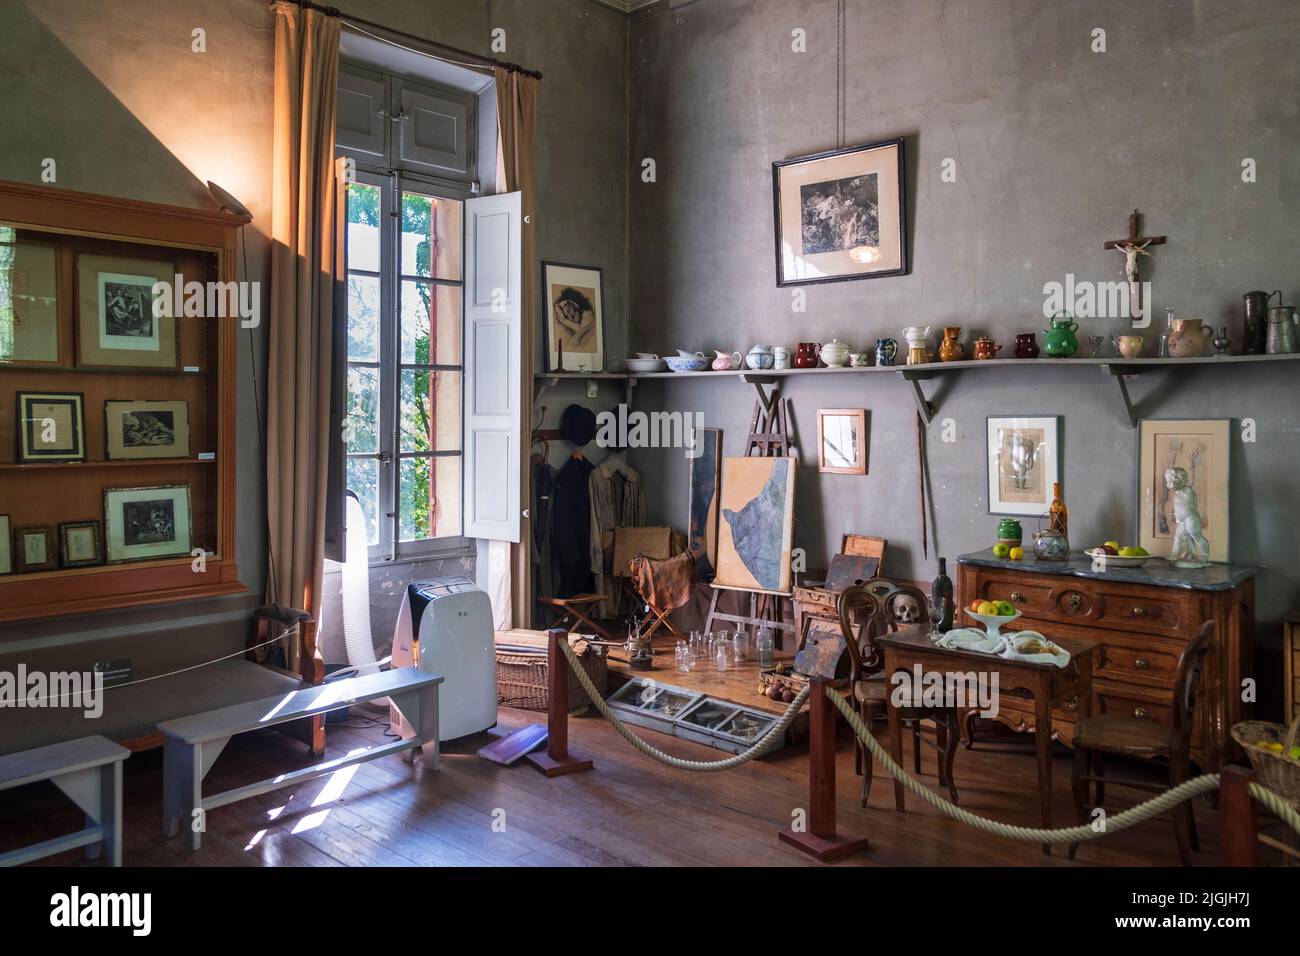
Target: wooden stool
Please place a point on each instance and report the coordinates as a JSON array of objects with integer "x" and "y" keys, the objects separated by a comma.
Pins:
[{"x": 577, "y": 608}]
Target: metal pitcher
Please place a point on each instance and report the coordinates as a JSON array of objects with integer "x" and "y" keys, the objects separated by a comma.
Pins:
[{"x": 1282, "y": 338}]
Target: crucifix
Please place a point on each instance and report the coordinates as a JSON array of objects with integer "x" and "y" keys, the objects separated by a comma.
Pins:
[{"x": 1133, "y": 246}]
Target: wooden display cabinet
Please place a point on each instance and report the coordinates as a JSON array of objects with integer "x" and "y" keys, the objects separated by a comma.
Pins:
[{"x": 201, "y": 244}]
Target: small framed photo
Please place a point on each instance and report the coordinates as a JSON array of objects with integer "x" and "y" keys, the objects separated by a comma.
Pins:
[
  {"x": 116, "y": 323},
  {"x": 842, "y": 441},
  {"x": 6, "y": 545},
  {"x": 573, "y": 317},
  {"x": 147, "y": 429},
  {"x": 34, "y": 548},
  {"x": 79, "y": 544},
  {"x": 143, "y": 524},
  {"x": 1023, "y": 463},
  {"x": 51, "y": 426}
]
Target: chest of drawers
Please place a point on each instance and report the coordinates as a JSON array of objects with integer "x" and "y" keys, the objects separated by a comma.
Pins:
[{"x": 1141, "y": 618}]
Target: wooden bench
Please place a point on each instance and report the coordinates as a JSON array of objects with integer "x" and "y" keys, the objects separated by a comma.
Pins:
[
  {"x": 192, "y": 744},
  {"x": 89, "y": 771}
]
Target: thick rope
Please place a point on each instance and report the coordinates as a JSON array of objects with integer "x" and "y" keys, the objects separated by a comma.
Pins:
[
  {"x": 762, "y": 746},
  {"x": 1280, "y": 806}
]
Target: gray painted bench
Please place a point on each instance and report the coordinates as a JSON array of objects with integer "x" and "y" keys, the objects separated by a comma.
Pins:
[
  {"x": 192, "y": 744},
  {"x": 89, "y": 771}
]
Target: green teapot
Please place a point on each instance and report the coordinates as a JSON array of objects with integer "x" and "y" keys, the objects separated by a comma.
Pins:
[{"x": 1059, "y": 341}]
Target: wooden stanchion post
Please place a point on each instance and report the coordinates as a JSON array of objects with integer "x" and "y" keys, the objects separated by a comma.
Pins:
[
  {"x": 820, "y": 839},
  {"x": 557, "y": 760},
  {"x": 1238, "y": 817}
]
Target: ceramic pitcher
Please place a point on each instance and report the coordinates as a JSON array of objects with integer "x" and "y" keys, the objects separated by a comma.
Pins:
[
  {"x": 1281, "y": 330},
  {"x": 951, "y": 349},
  {"x": 1188, "y": 338},
  {"x": 725, "y": 361},
  {"x": 1059, "y": 341}
]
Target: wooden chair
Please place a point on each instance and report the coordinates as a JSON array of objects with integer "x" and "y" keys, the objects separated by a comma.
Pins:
[
  {"x": 1137, "y": 737},
  {"x": 890, "y": 606},
  {"x": 574, "y": 612}
]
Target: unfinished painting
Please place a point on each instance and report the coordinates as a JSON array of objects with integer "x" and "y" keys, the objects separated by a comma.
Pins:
[
  {"x": 703, "y": 525},
  {"x": 756, "y": 529}
]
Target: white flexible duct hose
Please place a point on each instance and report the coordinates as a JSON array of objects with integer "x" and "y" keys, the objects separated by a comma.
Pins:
[{"x": 356, "y": 593}]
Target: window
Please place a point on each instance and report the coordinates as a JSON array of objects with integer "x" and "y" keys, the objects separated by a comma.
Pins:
[{"x": 404, "y": 371}]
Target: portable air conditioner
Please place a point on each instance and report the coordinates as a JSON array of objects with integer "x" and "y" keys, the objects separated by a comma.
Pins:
[{"x": 451, "y": 634}]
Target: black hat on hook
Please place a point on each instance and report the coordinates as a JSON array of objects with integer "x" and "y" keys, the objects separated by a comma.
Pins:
[{"x": 578, "y": 424}]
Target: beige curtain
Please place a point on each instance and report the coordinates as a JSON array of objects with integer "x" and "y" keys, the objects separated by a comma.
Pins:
[
  {"x": 303, "y": 228},
  {"x": 517, "y": 123}
]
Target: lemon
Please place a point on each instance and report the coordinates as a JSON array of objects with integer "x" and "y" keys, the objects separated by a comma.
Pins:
[{"x": 1016, "y": 554}]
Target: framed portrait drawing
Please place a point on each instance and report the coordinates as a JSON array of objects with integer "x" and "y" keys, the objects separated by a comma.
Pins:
[
  {"x": 842, "y": 441},
  {"x": 29, "y": 303},
  {"x": 573, "y": 317},
  {"x": 116, "y": 325},
  {"x": 6, "y": 545},
  {"x": 34, "y": 548},
  {"x": 1176, "y": 454},
  {"x": 840, "y": 214},
  {"x": 141, "y": 524},
  {"x": 147, "y": 429},
  {"x": 1024, "y": 460},
  {"x": 51, "y": 426},
  {"x": 79, "y": 544}
]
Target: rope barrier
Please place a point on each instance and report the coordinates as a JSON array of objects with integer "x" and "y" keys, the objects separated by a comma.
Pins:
[
  {"x": 1281, "y": 807},
  {"x": 761, "y": 746}
]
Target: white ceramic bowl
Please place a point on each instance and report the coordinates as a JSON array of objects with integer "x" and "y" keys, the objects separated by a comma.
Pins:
[
  {"x": 1114, "y": 560},
  {"x": 645, "y": 365},
  {"x": 993, "y": 623}
]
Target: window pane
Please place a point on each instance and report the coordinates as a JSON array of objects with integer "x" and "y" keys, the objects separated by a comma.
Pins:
[
  {"x": 431, "y": 230},
  {"x": 361, "y": 428},
  {"x": 430, "y": 411},
  {"x": 428, "y": 496},
  {"x": 430, "y": 323},
  {"x": 363, "y": 227},
  {"x": 363, "y": 318},
  {"x": 363, "y": 478}
]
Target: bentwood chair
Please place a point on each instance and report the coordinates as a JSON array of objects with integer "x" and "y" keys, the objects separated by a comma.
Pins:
[{"x": 1132, "y": 736}]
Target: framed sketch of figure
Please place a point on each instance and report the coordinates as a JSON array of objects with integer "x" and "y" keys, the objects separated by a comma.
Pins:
[
  {"x": 1024, "y": 460},
  {"x": 116, "y": 324},
  {"x": 573, "y": 317}
]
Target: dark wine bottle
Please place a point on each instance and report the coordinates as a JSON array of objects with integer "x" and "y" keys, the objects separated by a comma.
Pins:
[{"x": 941, "y": 591}]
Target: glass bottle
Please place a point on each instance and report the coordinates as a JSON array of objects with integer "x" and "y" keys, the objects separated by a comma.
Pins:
[
  {"x": 941, "y": 594},
  {"x": 765, "y": 647},
  {"x": 1162, "y": 350},
  {"x": 1058, "y": 516}
]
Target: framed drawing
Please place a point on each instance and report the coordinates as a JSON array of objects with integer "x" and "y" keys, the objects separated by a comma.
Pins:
[
  {"x": 141, "y": 524},
  {"x": 51, "y": 426},
  {"x": 756, "y": 524},
  {"x": 79, "y": 545},
  {"x": 6, "y": 545},
  {"x": 702, "y": 524},
  {"x": 1024, "y": 461},
  {"x": 29, "y": 303},
  {"x": 840, "y": 214},
  {"x": 34, "y": 548},
  {"x": 147, "y": 429},
  {"x": 573, "y": 317},
  {"x": 842, "y": 441},
  {"x": 116, "y": 325},
  {"x": 1200, "y": 448}
]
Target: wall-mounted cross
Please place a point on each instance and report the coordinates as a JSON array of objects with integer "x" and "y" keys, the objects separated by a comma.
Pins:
[{"x": 1133, "y": 246}]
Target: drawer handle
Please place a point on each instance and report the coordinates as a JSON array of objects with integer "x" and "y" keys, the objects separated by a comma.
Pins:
[
  {"x": 1072, "y": 703},
  {"x": 1142, "y": 664},
  {"x": 1139, "y": 611},
  {"x": 1017, "y": 597},
  {"x": 1075, "y": 602},
  {"x": 1139, "y": 712}
]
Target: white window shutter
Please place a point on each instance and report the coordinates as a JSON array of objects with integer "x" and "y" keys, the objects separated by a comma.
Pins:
[{"x": 493, "y": 389}]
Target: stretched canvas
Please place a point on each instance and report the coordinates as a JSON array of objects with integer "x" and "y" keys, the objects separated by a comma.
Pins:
[
  {"x": 702, "y": 528},
  {"x": 756, "y": 526}
]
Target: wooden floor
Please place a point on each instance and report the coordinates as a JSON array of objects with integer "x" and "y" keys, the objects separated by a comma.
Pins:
[{"x": 629, "y": 810}]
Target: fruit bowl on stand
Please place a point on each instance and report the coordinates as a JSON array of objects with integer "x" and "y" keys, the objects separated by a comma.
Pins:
[
  {"x": 993, "y": 623},
  {"x": 1099, "y": 556}
]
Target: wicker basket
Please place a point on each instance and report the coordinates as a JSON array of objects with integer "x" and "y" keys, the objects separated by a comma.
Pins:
[
  {"x": 1276, "y": 771},
  {"x": 521, "y": 680}
]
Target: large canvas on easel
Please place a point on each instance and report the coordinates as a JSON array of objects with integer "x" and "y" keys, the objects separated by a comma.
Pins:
[
  {"x": 702, "y": 527},
  {"x": 756, "y": 526}
]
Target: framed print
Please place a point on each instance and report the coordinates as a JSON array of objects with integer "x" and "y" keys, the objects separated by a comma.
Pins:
[
  {"x": 573, "y": 317},
  {"x": 1199, "y": 447},
  {"x": 79, "y": 545},
  {"x": 842, "y": 441},
  {"x": 116, "y": 325},
  {"x": 29, "y": 303},
  {"x": 141, "y": 524},
  {"x": 34, "y": 548},
  {"x": 6, "y": 545},
  {"x": 147, "y": 429},
  {"x": 51, "y": 426},
  {"x": 756, "y": 526},
  {"x": 840, "y": 214},
  {"x": 1024, "y": 462}
]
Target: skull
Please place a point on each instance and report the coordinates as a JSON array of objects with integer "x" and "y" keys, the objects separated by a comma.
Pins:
[{"x": 905, "y": 609}]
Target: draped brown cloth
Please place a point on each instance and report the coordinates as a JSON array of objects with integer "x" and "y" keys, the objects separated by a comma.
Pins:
[
  {"x": 517, "y": 122},
  {"x": 665, "y": 584},
  {"x": 303, "y": 260}
]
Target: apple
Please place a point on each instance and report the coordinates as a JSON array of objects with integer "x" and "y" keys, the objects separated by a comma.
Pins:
[
  {"x": 1110, "y": 549},
  {"x": 1001, "y": 550},
  {"x": 988, "y": 608},
  {"x": 1005, "y": 609},
  {"x": 1130, "y": 552},
  {"x": 1016, "y": 554}
]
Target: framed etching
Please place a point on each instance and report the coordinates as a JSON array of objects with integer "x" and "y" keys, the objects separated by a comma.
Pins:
[
  {"x": 79, "y": 544},
  {"x": 1200, "y": 448},
  {"x": 573, "y": 317},
  {"x": 840, "y": 214},
  {"x": 29, "y": 303},
  {"x": 34, "y": 548},
  {"x": 842, "y": 441},
  {"x": 147, "y": 429},
  {"x": 116, "y": 324},
  {"x": 51, "y": 426},
  {"x": 141, "y": 524},
  {"x": 1023, "y": 463}
]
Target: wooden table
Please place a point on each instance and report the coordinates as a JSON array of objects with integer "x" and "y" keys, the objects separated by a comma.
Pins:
[{"x": 1048, "y": 685}]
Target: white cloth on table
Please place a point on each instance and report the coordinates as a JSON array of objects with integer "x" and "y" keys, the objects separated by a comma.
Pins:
[{"x": 1003, "y": 645}]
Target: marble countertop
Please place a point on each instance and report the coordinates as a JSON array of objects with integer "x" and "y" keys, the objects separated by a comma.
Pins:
[{"x": 1157, "y": 573}]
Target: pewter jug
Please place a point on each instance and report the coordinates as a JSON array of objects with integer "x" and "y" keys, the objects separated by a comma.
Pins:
[{"x": 1281, "y": 330}]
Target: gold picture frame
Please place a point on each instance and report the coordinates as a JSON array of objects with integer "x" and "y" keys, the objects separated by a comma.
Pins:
[
  {"x": 29, "y": 303},
  {"x": 147, "y": 523},
  {"x": 842, "y": 441},
  {"x": 80, "y": 544},
  {"x": 1203, "y": 448},
  {"x": 116, "y": 326},
  {"x": 146, "y": 429}
]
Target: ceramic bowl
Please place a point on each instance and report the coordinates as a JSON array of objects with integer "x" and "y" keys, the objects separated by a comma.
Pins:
[
  {"x": 644, "y": 365},
  {"x": 1114, "y": 560},
  {"x": 680, "y": 363},
  {"x": 993, "y": 623}
]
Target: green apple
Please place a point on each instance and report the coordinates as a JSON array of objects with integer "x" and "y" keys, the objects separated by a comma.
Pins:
[
  {"x": 1001, "y": 550},
  {"x": 1006, "y": 609},
  {"x": 1130, "y": 552}
]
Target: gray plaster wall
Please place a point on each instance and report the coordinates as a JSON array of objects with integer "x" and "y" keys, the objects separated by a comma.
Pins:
[{"x": 1053, "y": 146}]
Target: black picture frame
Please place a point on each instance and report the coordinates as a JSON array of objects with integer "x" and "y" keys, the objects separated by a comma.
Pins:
[
  {"x": 27, "y": 454},
  {"x": 545, "y": 305},
  {"x": 904, "y": 266},
  {"x": 65, "y": 559}
]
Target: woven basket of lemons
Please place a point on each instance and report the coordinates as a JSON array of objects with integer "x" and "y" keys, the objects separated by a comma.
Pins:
[{"x": 1274, "y": 752}]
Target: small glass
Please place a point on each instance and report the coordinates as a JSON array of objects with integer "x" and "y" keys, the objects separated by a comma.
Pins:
[
  {"x": 1097, "y": 342},
  {"x": 935, "y": 608},
  {"x": 683, "y": 657}
]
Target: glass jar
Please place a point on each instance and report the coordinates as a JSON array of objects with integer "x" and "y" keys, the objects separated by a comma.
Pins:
[
  {"x": 765, "y": 648},
  {"x": 740, "y": 646}
]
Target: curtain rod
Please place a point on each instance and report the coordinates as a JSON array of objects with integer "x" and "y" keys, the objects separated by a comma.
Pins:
[{"x": 475, "y": 58}]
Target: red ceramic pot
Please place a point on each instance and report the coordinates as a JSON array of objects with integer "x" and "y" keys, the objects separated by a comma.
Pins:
[
  {"x": 805, "y": 356},
  {"x": 1026, "y": 345}
]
